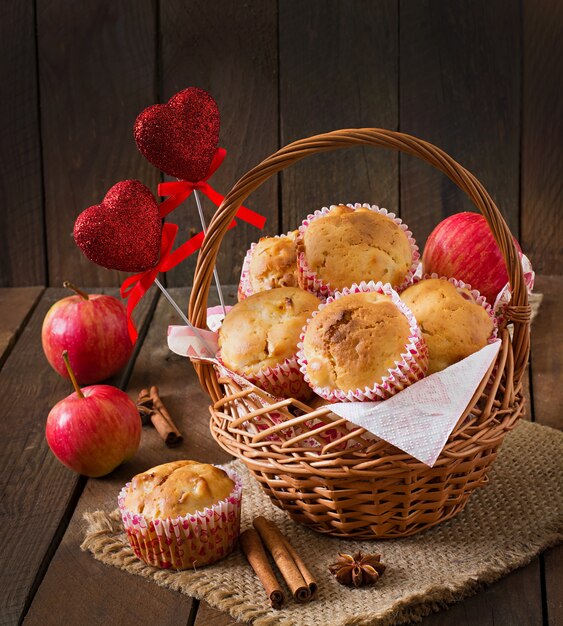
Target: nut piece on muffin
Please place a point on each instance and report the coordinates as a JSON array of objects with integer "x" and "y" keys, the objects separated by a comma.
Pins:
[
  {"x": 177, "y": 488},
  {"x": 354, "y": 342},
  {"x": 273, "y": 263},
  {"x": 349, "y": 245},
  {"x": 452, "y": 323},
  {"x": 261, "y": 333}
]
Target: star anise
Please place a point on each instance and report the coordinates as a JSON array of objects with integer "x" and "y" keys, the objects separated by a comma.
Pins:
[{"x": 357, "y": 570}]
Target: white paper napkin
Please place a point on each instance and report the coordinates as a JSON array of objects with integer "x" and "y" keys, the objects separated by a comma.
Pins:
[{"x": 419, "y": 419}]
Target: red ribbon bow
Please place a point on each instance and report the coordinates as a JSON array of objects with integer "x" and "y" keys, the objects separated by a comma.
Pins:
[
  {"x": 181, "y": 189},
  {"x": 135, "y": 287}
]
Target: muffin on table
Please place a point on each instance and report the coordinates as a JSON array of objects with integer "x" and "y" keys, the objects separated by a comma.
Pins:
[
  {"x": 454, "y": 321},
  {"x": 270, "y": 263},
  {"x": 170, "y": 512},
  {"x": 259, "y": 337},
  {"x": 363, "y": 344},
  {"x": 349, "y": 244}
]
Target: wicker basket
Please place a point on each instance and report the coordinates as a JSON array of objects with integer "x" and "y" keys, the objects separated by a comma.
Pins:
[{"x": 369, "y": 488}]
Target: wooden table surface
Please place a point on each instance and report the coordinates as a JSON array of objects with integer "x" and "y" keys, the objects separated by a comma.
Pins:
[{"x": 44, "y": 576}]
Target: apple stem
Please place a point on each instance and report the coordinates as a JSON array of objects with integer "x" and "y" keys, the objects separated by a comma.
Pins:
[
  {"x": 71, "y": 374},
  {"x": 81, "y": 293}
]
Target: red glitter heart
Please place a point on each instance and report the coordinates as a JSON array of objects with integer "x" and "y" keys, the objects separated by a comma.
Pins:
[
  {"x": 124, "y": 231},
  {"x": 180, "y": 137}
]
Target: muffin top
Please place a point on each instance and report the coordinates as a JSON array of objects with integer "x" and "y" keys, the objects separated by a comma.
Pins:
[
  {"x": 177, "y": 488},
  {"x": 354, "y": 341},
  {"x": 453, "y": 325},
  {"x": 351, "y": 245},
  {"x": 263, "y": 330},
  {"x": 273, "y": 263}
]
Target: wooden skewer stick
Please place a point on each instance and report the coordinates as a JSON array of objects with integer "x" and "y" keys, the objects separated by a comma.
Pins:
[{"x": 215, "y": 274}]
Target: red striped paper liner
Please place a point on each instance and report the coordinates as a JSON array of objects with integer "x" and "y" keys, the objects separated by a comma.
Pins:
[
  {"x": 311, "y": 281},
  {"x": 187, "y": 541},
  {"x": 411, "y": 367}
]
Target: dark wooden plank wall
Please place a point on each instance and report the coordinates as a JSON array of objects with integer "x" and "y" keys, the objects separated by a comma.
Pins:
[
  {"x": 460, "y": 89},
  {"x": 22, "y": 230},
  {"x": 480, "y": 78},
  {"x": 338, "y": 69},
  {"x": 96, "y": 72}
]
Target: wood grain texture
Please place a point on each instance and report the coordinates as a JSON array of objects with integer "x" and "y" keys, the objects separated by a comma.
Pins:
[
  {"x": 546, "y": 359},
  {"x": 16, "y": 305},
  {"x": 542, "y": 148},
  {"x": 230, "y": 50},
  {"x": 30, "y": 517},
  {"x": 22, "y": 236},
  {"x": 460, "y": 89},
  {"x": 97, "y": 72},
  {"x": 493, "y": 606},
  {"x": 515, "y": 599},
  {"x": 178, "y": 387},
  {"x": 209, "y": 616},
  {"x": 547, "y": 370},
  {"x": 338, "y": 69},
  {"x": 552, "y": 562},
  {"x": 115, "y": 597}
]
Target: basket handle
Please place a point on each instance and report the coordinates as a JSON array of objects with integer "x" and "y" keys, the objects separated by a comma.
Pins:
[{"x": 519, "y": 309}]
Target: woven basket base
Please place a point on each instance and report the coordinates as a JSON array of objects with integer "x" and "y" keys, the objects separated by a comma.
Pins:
[{"x": 502, "y": 527}]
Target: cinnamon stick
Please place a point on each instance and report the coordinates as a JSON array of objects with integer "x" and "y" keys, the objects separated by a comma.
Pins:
[
  {"x": 151, "y": 407},
  {"x": 307, "y": 576},
  {"x": 277, "y": 545},
  {"x": 163, "y": 422},
  {"x": 254, "y": 551},
  {"x": 144, "y": 406}
]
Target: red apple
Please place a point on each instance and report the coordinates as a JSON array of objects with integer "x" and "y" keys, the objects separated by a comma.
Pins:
[
  {"x": 462, "y": 246},
  {"x": 93, "y": 329},
  {"x": 94, "y": 429}
]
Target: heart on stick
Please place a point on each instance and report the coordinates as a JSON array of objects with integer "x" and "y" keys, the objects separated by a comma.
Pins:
[
  {"x": 181, "y": 136},
  {"x": 124, "y": 231}
]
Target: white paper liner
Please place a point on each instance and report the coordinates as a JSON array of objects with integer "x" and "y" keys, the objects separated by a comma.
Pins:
[
  {"x": 215, "y": 317},
  {"x": 311, "y": 281},
  {"x": 245, "y": 287},
  {"x": 187, "y": 541},
  {"x": 411, "y": 367}
]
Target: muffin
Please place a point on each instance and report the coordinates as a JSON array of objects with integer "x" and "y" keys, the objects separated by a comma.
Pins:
[
  {"x": 455, "y": 322},
  {"x": 182, "y": 514},
  {"x": 270, "y": 263},
  {"x": 363, "y": 344},
  {"x": 349, "y": 244},
  {"x": 259, "y": 338}
]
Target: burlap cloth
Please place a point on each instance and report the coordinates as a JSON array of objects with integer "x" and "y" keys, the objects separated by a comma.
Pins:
[{"x": 519, "y": 514}]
